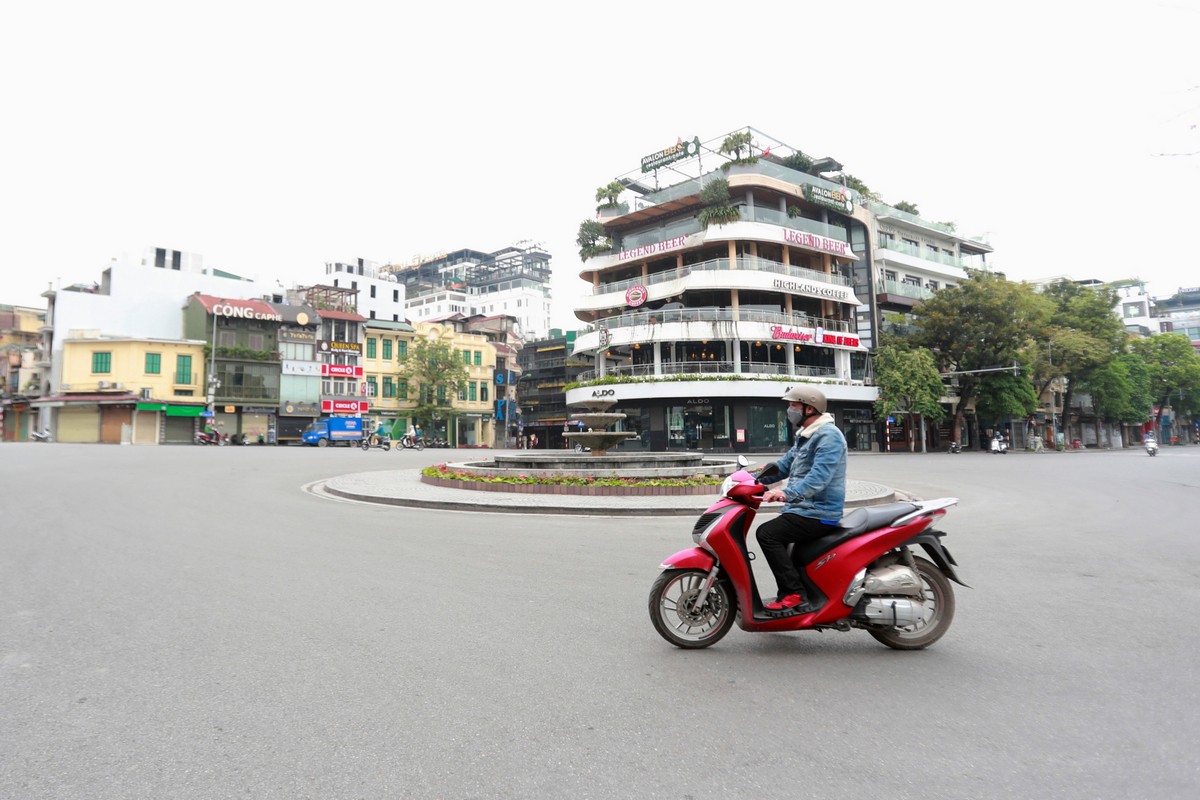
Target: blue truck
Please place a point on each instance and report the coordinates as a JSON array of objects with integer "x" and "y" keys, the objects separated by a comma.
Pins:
[{"x": 333, "y": 430}]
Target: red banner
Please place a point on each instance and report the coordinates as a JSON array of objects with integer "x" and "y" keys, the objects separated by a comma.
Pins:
[
  {"x": 345, "y": 406},
  {"x": 341, "y": 371}
]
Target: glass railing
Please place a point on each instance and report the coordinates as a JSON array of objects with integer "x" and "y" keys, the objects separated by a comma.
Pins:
[
  {"x": 712, "y": 368},
  {"x": 903, "y": 289},
  {"x": 770, "y": 169},
  {"x": 713, "y": 314},
  {"x": 744, "y": 263},
  {"x": 926, "y": 254},
  {"x": 884, "y": 210},
  {"x": 757, "y": 214}
]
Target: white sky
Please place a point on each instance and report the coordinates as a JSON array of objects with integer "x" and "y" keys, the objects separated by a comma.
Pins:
[{"x": 274, "y": 137}]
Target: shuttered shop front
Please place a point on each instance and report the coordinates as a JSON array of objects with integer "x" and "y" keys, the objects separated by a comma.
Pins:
[{"x": 79, "y": 425}]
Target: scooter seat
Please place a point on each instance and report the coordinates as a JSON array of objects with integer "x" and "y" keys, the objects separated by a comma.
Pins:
[{"x": 868, "y": 518}]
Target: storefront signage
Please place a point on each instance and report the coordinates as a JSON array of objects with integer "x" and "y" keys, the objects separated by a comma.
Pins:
[
  {"x": 669, "y": 155},
  {"x": 345, "y": 406},
  {"x": 605, "y": 337},
  {"x": 635, "y": 296},
  {"x": 837, "y": 199},
  {"x": 604, "y": 393},
  {"x": 816, "y": 336},
  {"x": 341, "y": 371},
  {"x": 651, "y": 249},
  {"x": 300, "y": 409},
  {"x": 296, "y": 335},
  {"x": 340, "y": 347},
  {"x": 842, "y": 294},
  {"x": 247, "y": 311},
  {"x": 821, "y": 244},
  {"x": 309, "y": 368}
]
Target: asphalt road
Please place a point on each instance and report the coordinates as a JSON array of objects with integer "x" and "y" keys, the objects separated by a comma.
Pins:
[{"x": 188, "y": 623}]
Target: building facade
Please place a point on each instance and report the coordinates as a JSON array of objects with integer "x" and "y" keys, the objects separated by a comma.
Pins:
[{"x": 710, "y": 324}]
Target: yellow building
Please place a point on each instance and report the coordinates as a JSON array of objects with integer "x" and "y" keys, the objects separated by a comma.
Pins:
[
  {"x": 469, "y": 419},
  {"x": 143, "y": 391},
  {"x": 385, "y": 350}
]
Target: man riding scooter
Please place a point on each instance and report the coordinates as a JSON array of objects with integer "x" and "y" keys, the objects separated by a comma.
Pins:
[{"x": 814, "y": 496}]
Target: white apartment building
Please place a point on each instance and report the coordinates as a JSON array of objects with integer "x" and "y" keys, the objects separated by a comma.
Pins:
[{"x": 380, "y": 295}]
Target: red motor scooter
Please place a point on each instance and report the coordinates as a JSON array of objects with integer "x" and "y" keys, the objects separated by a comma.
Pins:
[{"x": 862, "y": 574}]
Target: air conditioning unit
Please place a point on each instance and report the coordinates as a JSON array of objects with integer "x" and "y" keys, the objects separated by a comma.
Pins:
[
  {"x": 103, "y": 384},
  {"x": 117, "y": 386}
]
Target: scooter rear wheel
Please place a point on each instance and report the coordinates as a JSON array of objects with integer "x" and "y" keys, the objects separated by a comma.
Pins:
[
  {"x": 939, "y": 599},
  {"x": 672, "y": 611}
]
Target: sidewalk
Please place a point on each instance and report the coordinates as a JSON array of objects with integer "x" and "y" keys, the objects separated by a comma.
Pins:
[{"x": 404, "y": 488}]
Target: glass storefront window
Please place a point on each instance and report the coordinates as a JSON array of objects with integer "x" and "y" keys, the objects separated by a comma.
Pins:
[{"x": 767, "y": 426}]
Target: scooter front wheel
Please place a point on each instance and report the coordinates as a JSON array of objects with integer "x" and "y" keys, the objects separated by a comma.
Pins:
[{"x": 674, "y": 613}]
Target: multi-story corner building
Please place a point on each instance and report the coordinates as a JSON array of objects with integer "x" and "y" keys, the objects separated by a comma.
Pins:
[
  {"x": 913, "y": 258},
  {"x": 21, "y": 377},
  {"x": 130, "y": 300},
  {"x": 128, "y": 389},
  {"x": 387, "y": 346},
  {"x": 512, "y": 281},
  {"x": 472, "y": 423},
  {"x": 378, "y": 295},
  {"x": 1179, "y": 313},
  {"x": 548, "y": 366},
  {"x": 711, "y": 325},
  {"x": 243, "y": 374}
]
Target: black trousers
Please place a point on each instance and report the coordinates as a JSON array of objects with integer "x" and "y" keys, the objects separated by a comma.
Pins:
[{"x": 774, "y": 538}]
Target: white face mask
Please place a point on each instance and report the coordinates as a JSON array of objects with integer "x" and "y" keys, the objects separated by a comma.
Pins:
[{"x": 795, "y": 415}]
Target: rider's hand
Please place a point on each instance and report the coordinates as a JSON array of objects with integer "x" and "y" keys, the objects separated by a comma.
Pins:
[{"x": 773, "y": 496}]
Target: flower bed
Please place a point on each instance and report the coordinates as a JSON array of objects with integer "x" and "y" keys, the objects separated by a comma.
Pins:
[{"x": 442, "y": 475}]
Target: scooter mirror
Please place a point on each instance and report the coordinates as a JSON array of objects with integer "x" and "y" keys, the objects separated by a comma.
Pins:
[{"x": 742, "y": 461}]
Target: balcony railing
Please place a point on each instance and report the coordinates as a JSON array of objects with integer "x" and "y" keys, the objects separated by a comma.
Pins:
[
  {"x": 884, "y": 210},
  {"x": 185, "y": 378},
  {"x": 926, "y": 254},
  {"x": 746, "y": 214},
  {"x": 745, "y": 263},
  {"x": 725, "y": 315},
  {"x": 904, "y": 289},
  {"x": 714, "y": 368}
]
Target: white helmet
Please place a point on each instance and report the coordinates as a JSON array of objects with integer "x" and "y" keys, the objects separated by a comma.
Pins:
[{"x": 807, "y": 394}]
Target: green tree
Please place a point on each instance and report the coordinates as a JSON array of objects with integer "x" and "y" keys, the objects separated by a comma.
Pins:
[
  {"x": 982, "y": 323},
  {"x": 1083, "y": 336},
  {"x": 1002, "y": 394},
  {"x": 911, "y": 208},
  {"x": 909, "y": 383},
  {"x": 718, "y": 205},
  {"x": 592, "y": 239},
  {"x": 1173, "y": 368},
  {"x": 735, "y": 143},
  {"x": 609, "y": 194},
  {"x": 1120, "y": 391},
  {"x": 437, "y": 373}
]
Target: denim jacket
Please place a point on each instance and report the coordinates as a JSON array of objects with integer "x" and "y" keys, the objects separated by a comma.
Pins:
[{"x": 816, "y": 470}]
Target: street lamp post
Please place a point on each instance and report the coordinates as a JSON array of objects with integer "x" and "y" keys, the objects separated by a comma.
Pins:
[{"x": 212, "y": 369}]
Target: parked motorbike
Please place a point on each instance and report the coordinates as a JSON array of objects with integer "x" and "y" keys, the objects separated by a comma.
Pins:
[
  {"x": 862, "y": 574},
  {"x": 411, "y": 443},
  {"x": 581, "y": 449},
  {"x": 371, "y": 440},
  {"x": 999, "y": 446},
  {"x": 955, "y": 447},
  {"x": 205, "y": 437},
  {"x": 1152, "y": 447},
  {"x": 41, "y": 436}
]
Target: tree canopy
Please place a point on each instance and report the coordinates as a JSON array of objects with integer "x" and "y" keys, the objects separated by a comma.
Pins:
[
  {"x": 436, "y": 372},
  {"x": 909, "y": 383}
]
